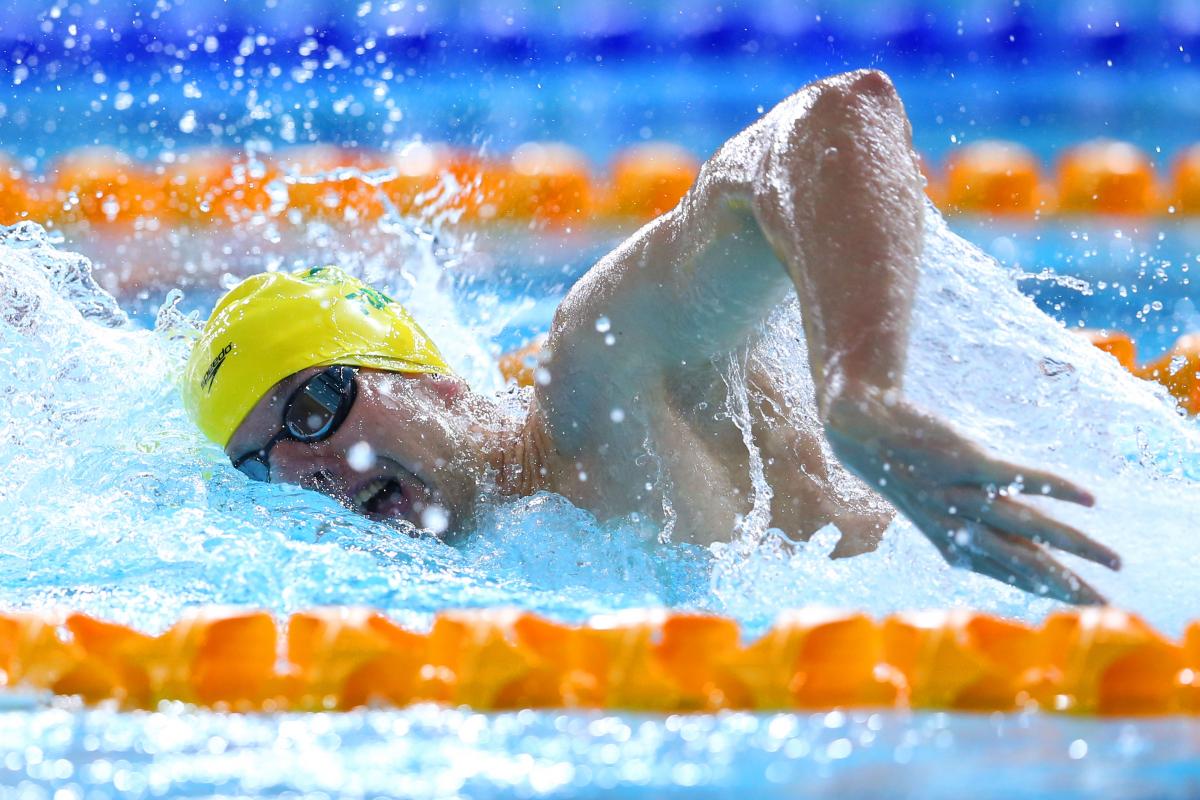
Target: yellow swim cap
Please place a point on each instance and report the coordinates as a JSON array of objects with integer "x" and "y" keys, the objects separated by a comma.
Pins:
[{"x": 274, "y": 324}]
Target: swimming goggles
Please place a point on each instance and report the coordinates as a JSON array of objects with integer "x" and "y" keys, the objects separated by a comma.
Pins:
[{"x": 312, "y": 414}]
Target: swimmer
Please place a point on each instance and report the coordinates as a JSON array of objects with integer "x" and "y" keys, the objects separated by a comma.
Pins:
[{"x": 315, "y": 379}]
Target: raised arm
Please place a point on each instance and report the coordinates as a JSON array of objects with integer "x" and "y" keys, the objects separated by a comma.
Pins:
[
  {"x": 822, "y": 195},
  {"x": 839, "y": 196}
]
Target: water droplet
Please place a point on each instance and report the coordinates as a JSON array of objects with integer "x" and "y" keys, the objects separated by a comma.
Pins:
[
  {"x": 435, "y": 519},
  {"x": 617, "y": 415},
  {"x": 111, "y": 207},
  {"x": 360, "y": 457},
  {"x": 839, "y": 748},
  {"x": 603, "y": 325}
]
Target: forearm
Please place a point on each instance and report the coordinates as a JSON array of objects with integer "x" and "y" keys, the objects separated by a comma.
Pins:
[{"x": 839, "y": 197}]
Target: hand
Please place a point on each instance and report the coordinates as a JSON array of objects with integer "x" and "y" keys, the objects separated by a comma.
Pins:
[{"x": 961, "y": 498}]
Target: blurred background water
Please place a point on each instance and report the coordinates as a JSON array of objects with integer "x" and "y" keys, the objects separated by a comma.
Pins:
[
  {"x": 115, "y": 505},
  {"x": 155, "y": 80}
]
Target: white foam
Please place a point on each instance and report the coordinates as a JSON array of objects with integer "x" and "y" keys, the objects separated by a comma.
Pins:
[
  {"x": 114, "y": 503},
  {"x": 1016, "y": 381}
]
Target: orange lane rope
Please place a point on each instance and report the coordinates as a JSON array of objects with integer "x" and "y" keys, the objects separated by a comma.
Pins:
[
  {"x": 1178, "y": 369},
  {"x": 1092, "y": 661},
  {"x": 547, "y": 184},
  {"x": 541, "y": 183}
]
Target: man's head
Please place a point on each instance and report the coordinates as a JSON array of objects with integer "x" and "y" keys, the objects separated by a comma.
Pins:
[{"x": 315, "y": 378}]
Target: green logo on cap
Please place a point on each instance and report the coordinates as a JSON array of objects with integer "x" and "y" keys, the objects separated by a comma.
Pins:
[{"x": 372, "y": 297}]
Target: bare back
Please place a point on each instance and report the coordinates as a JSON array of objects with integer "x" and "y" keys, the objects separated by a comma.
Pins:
[{"x": 668, "y": 438}]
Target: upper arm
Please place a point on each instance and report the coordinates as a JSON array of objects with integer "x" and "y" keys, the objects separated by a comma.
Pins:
[
  {"x": 821, "y": 195},
  {"x": 687, "y": 287}
]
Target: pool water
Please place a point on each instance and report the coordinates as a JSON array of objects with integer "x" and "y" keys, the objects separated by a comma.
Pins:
[
  {"x": 427, "y": 752},
  {"x": 114, "y": 504},
  {"x": 117, "y": 507},
  {"x": 145, "y": 508}
]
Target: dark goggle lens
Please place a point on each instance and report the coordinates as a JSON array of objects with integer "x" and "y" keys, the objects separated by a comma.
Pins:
[
  {"x": 320, "y": 404},
  {"x": 255, "y": 468},
  {"x": 313, "y": 412}
]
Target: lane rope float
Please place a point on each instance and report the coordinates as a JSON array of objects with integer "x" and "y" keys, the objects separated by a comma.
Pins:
[
  {"x": 540, "y": 184},
  {"x": 1091, "y": 661}
]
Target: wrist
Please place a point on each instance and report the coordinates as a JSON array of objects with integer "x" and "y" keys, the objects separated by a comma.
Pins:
[{"x": 841, "y": 396}]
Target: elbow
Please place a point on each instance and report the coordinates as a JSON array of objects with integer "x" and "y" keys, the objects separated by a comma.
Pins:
[
  {"x": 857, "y": 98},
  {"x": 871, "y": 83},
  {"x": 857, "y": 118}
]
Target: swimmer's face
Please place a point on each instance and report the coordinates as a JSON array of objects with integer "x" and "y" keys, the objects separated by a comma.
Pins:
[{"x": 398, "y": 454}]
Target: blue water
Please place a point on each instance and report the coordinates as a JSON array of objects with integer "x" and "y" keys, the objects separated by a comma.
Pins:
[
  {"x": 1133, "y": 275},
  {"x": 427, "y": 752},
  {"x": 598, "y": 107},
  {"x": 115, "y": 505}
]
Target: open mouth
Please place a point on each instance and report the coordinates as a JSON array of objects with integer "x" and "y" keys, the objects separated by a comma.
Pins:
[
  {"x": 394, "y": 494},
  {"x": 380, "y": 493}
]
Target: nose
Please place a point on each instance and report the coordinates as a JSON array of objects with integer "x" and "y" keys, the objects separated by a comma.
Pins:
[{"x": 316, "y": 465}]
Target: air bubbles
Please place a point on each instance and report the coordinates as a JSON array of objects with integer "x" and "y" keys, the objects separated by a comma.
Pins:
[
  {"x": 603, "y": 325},
  {"x": 617, "y": 415}
]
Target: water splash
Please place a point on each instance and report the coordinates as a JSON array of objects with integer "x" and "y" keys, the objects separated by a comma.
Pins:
[
  {"x": 1015, "y": 381},
  {"x": 116, "y": 505}
]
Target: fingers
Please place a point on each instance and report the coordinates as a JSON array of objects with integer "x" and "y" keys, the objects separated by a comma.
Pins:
[
  {"x": 938, "y": 530},
  {"x": 1007, "y": 558},
  {"x": 1006, "y": 573},
  {"x": 1020, "y": 520},
  {"x": 1039, "y": 482},
  {"x": 1025, "y": 565}
]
